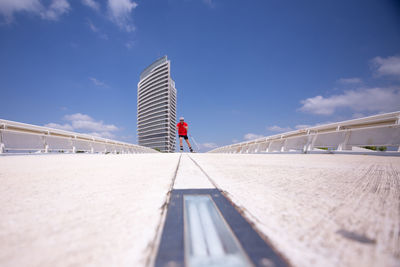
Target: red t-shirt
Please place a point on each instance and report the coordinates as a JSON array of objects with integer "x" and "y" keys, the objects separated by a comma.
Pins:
[{"x": 181, "y": 128}]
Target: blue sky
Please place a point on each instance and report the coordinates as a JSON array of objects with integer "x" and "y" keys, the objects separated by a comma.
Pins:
[{"x": 242, "y": 69}]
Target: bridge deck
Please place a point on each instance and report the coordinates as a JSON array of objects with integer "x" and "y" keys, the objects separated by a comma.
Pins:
[{"x": 105, "y": 210}]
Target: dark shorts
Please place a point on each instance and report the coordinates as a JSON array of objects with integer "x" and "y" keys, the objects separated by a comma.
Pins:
[{"x": 184, "y": 136}]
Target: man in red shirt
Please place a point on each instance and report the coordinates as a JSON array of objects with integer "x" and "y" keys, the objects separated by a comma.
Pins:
[{"x": 182, "y": 128}]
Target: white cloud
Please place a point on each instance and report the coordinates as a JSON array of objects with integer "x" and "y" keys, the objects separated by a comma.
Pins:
[
  {"x": 65, "y": 127},
  {"x": 387, "y": 66},
  {"x": 129, "y": 138},
  {"x": 120, "y": 13},
  {"x": 86, "y": 124},
  {"x": 77, "y": 116},
  {"x": 277, "y": 128},
  {"x": 98, "y": 83},
  {"x": 103, "y": 134},
  {"x": 252, "y": 136},
  {"x": 55, "y": 10},
  {"x": 96, "y": 30},
  {"x": 350, "y": 80},
  {"x": 92, "y": 4},
  {"x": 129, "y": 44},
  {"x": 371, "y": 99},
  {"x": 9, "y": 7},
  {"x": 206, "y": 146},
  {"x": 302, "y": 126},
  {"x": 209, "y": 145},
  {"x": 92, "y": 26}
]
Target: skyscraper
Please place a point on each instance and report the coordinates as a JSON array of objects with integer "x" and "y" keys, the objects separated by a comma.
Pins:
[{"x": 156, "y": 107}]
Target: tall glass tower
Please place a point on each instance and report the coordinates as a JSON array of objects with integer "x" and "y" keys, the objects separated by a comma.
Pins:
[{"x": 156, "y": 107}]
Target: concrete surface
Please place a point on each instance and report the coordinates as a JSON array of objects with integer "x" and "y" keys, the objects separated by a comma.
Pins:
[
  {"x": 81, "y": 210},
  {"x": 190, "y": 176},
  {"x": 314, "y": 208},
  {"x": 105, "y": 210}
]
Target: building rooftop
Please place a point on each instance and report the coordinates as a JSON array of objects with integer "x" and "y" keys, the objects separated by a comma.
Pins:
[{"x": 148, "y": 69}]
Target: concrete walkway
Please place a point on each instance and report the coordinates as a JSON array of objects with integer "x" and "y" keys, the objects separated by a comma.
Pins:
[
  {"x": 81, "y": 210},
  {"x": 107, "y": 210}
]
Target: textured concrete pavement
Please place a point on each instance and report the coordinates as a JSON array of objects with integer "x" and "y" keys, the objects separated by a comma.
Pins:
[
  {"x": 81, "y": 210},
  {"x": 106, "y": 210},
  {"x": 321, "y": 210}
]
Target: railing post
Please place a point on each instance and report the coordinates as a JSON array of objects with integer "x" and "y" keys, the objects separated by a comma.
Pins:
[
  {"x": 305, "y": 147},
  {"x": 2, "y": 147},
  {"x": 91, "y": 146},
  {"x": 311, "y": 142},
  {"x": 283, "y": 148},
  {"x": 73, "y": 146},
  {"x": 282, "y": 145},
  {"x": 398, "y": 122},
  {"x": 46, "y": 146},
  {"x": 343, "y": 145},
  {"x": 269, "y": 146}
]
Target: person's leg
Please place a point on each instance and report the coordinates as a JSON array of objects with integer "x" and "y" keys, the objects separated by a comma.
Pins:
[
  {"x": 188, "y": 143},
  {"x": 180, "y": 143}
]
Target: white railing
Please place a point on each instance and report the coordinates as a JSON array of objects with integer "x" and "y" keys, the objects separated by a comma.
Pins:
[
  {"x": 21, "y": 137},
  {"x": 345, "y": 136}
]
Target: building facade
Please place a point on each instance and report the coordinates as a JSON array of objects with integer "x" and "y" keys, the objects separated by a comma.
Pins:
[{"x": 156, "y": 107}]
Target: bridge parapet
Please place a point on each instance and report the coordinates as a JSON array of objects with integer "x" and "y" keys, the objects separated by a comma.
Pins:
[
  {"x": 345, "y": 136},
  {"x": 22, "y": 137}
]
